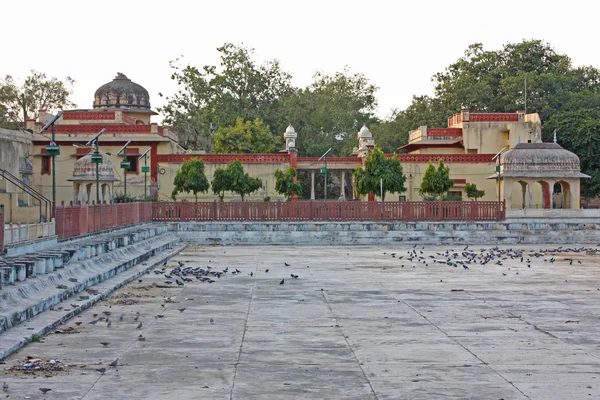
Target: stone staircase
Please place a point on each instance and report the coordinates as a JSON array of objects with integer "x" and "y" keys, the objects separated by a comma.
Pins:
[{"x": 35, "y": 283}]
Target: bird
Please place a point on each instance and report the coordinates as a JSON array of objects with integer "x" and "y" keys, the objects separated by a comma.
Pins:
[
  {"x": 45, "y": 390},
  {"x": 465, "y": 267},
  {"x": 121, "y": 318},
  {"x": 139, "y": 326},
  {"x": 104, "y": 343},
  {"x": 286, "y": 264},
  {"x": 282, "y": 282},
  {"x": 114, "y": 363},
  {"x": 136, "y": 318},
  {"x": 5, "y": 387},
  {"x": 267, "y": 270},
  {"x": 78, "y": 323},
  {"x": 179, "y": 283},
  {"x": 212, "y": 320},
  {"x": 101, "y": 370},
  {"x": 109, "y": 324},
  {"x": 181, "y": 309},
  {"x": 94, "y": 322},
  {"x": 251, "y": 273},
  {"x": 294, "y": 276}
]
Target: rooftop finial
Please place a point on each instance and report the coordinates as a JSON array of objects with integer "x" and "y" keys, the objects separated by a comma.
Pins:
[
  {"x": 518, "y": 139},
  {"x": 555, "y": 136}
]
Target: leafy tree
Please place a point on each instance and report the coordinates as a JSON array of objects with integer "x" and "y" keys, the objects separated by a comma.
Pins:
[
  {"x": 190, "y": 178},
  {"x": 221, "y": 182},
  {"x": 472, "y": 191},
  {"x": 376, "y": 169},
  {"x": 329, "y": 112},
  {"x": 19, "y": 103},
  {"x": 245, "y": 137},
  {"x": 218, "y": 95},
  {"x": 436, "y": 181},
  {"x": 234, "y": 179},
  {"x": 285, "y": 184}
]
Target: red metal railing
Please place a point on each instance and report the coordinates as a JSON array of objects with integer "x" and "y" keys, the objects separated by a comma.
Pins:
[
  {"x": 83, "y": 219},
  {"x": 331, "y": 211}
]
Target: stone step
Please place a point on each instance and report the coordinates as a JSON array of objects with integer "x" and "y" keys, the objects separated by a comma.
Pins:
[{"x": 28, "y": 299}]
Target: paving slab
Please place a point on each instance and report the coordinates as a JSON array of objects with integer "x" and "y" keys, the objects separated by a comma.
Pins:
[{"x": 357, "y": 323}]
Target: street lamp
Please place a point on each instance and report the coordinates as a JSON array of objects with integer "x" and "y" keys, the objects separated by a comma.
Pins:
[
  {"x": 324, "y": 171},
  {"x": 96, "y": 159},
  {"x": 125, "y": 165},
  {"x": 145, "y": 169},
  {"x": 497, "y": 156},
  {"x": 52, "y": 149}
]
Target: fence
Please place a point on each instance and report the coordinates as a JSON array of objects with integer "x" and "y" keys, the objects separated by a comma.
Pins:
[
  {"x": 21, "y": 233},
  {"x": 83, "y": 219},
  {"x": 331, "y": 211}
]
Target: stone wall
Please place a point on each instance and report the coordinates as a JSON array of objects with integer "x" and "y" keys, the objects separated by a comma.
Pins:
[{"x": 439, "y": 233}]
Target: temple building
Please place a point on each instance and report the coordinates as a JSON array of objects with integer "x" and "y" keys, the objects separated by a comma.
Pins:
[{"x": 501, "y": 153}]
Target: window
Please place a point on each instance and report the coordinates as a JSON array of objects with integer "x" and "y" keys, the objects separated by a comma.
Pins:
[
  {"x": 46, "y": 165},
  {"x": 401, "y": 198},
  {"x": 133, "y": 164},
  {"x": 454, "y": 195}
]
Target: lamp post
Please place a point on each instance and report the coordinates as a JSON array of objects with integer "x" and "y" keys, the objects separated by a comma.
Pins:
[
  {"x": 96, "y": 159},
  {"x": 497, "y": 156},
  {"x": 125, "y": 165},
  {"x": 324, "y": 171},
  {"x": 145, "y": 170},
  {"x": 52, "y": 149}
]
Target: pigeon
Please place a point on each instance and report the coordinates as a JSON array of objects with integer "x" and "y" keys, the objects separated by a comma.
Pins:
[
  {"x": 109, "y": 324},
  {"x": 237, "y": 271},
  {"x": 179, "y": 283},
  {"x": 251, "y": 273},
  {"x": 267, "y": 270},
  {"x": 94, "y": 322},
  {"x": 5, "y": 387},
  {"x": 121, "y": 318},
  {"x": 212, "y": 320},
  {"x": 101, "y": 370},
  {"x": 286, "y": 264},
  {"x": 104, "y": 343},
  {"x": 45, "y": 390},
  {"x": 139, "y": 326},
  {"x": 114, "y": 363},
  {"x": 282, "y": 282},
  {"x": 294, "y": 276},
  {"x": 181, "y": 309}
]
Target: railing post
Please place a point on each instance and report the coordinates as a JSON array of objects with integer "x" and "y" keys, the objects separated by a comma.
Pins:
[
  {"x": 214, "y": 211},
  {"x": 440, "y": 211},
  {"x": 473, "y": 208}
]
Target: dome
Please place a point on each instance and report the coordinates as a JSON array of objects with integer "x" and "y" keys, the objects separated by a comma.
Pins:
[
  {"x": 85, "y": 170},
  {"x": 364, "y": 132},
  {"x": 122, "y": 93},
  {"x": 290, "y": 132},
  {"x": 540, "y": 160}
]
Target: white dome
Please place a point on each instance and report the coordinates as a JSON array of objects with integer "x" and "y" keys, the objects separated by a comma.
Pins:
[
  {"x": 364, "y": 132},
  {"x": 290, "y": 129}
]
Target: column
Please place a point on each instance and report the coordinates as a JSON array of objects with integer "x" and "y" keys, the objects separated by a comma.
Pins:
[
  {"x": 530, "y": 190},
  {"x": 571, "y": 194},
  {"x": 551, "y": 194},
  {"x": 343, "y": 188},
  {"x": 312, "y": 185}
]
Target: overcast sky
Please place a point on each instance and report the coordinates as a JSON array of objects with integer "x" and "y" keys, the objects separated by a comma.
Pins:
[{"x": 397, "y": 46}]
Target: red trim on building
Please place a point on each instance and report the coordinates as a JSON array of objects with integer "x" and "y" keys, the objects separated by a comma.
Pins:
[
  {"x": 225, "y": 158},
  {"x": 88, "y": 115},
  {"x": 444, "y": 131},
  {"x": 448, "y": 158},
  {"x": 494, "y": 117},
  {"x": 432, "y": 143},
  {"x": 95, "y": 128}
]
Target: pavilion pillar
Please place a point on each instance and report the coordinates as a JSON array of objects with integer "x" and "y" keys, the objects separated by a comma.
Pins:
[
  {"x": 571, "y": 194},
  {"x": 312, "y": 185},
  {"x": 530, "y": 190},
  {"x": 551, "y": 184},
  {"x": 343, "y": 188}
]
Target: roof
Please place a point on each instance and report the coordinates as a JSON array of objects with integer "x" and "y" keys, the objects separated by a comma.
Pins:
[
  {"x": 122, "y": 92},
  {"x": 433, "y": 143}
]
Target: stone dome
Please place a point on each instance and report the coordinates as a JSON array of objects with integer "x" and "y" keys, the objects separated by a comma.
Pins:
[
  {"x": 364, "y": 132},
  {"x": 85, "y": 170},
  {"x": 122, "y": 93},
  {"x": 290, "y": 132},
  {"x": 540, "y": 160}
]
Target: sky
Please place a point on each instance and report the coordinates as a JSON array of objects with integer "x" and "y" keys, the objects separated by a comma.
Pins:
[{"x": 398, "y": 45}]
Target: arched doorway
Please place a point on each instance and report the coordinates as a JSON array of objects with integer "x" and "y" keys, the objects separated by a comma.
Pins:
[
  {"x": 542, "y": 194},
  {"x": 519, "y": 195},
  {"x": 562, "y": 194}
]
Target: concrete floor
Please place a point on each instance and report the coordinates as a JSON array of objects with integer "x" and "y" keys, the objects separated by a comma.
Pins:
[{"x": 355, "y": 325}]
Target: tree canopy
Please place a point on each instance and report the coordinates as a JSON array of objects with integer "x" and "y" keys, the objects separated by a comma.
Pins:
[
  {"x": 190, "y": 178},
  {"x": 436, "y": 181},
  {"x": 380, "y": 170},
  {"x": 38, "y": 92},
  {"x": 234, "y": 179},
  {"x": 285, "y": 183},
  {"x": 245, "y": 137},
  {"x": 472, "y": 192}
]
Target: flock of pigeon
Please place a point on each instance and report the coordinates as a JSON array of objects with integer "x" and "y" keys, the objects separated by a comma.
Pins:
[{"x": 496, "y": 256}]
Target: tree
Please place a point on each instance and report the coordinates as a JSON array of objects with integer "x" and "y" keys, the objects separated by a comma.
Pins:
[
  {"x": 285, "y": 184},
  {"x": 234, "y": 179},
  {"x": 245, "y": 137},
  {"x": 190, "y": 178},
  {"x": 20, "y": 103},
  {"x": 436, "y": 181},
  {"x": 378, "y": 170},
  {"x": 218, "y": 95},
  {"x": 221, "y": 182},
  {"x": 472, "y": 191}
]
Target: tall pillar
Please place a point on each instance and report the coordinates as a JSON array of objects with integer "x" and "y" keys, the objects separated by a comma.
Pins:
[
  {"x": 312, "y": 184},
  {"x": 551, "y": 188},
  {"x": 343, "y": 188},
  {"x": 530, "y": 190}
]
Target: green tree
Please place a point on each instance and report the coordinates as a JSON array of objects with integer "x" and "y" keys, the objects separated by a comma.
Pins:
[
  {"x": 472, "y": 191},
  {"x": 436, "y": 181},
  {"x": 245, "y": 137},
  {"x": 190, "y": 178},
  {"x": 377, "y": 170},
  {"x": 218, "y": 95},
  {"x": 235, "y": 180},
  {"x": 19, "y": 103},
  {"x": 221, "y": 182},
  {"x": 329, "y": 112},
  {"x": 285, "y": 185}
]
